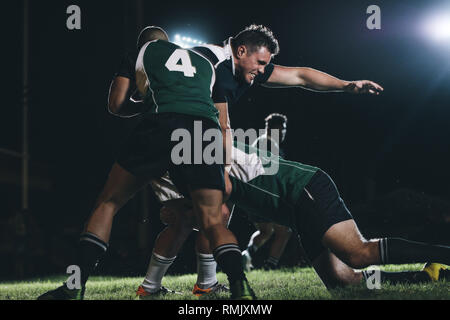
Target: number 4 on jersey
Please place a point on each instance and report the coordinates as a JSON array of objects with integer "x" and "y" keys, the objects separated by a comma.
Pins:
[{"x": 185, "y": 66}]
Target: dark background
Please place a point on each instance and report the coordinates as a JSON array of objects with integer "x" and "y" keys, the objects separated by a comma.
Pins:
[{"x": 388, "y": 154}]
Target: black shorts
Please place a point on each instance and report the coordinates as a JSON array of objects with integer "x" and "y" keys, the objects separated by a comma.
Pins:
[
  {"x": 147, "y": 152},
  {"x": 315, "y": 216}
]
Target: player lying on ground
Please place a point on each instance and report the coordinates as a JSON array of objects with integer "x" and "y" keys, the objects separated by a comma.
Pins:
[
  {"x": 306, "y": 199},
  {"x": 178, "y": 96}
]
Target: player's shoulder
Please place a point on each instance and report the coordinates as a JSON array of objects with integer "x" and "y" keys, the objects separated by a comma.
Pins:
[
  {"x": 159, "y": 44},
  {"x": 157, "y": 48},
  {"x": 214, "y": 53}
]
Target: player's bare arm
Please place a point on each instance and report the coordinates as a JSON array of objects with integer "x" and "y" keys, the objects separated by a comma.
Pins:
[
  {"x": 315, "y": 80},
  {"x": 224, "y": 121},
  {"x": 117, "y": 93},
  {"x": 119, "y": 102}
]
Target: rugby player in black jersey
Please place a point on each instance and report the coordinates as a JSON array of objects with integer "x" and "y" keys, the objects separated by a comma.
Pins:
[{"x": 245, "y": 60}]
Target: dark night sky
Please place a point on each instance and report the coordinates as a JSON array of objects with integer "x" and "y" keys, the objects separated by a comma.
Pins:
[{"x": 399, "y": 139}]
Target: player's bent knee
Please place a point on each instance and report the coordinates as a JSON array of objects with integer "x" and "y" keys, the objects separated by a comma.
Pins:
[
  {"x": 359, "y": 259},
  {"x": 212, "y": 229}
]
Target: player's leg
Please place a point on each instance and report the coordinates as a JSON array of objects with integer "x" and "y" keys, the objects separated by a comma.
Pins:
[
  {"x": 335, "y": 273},
  {"x": 143, "y": 155},
  {"x": 259, "y": 237},
  {"x": 330, "y": 269},
  {"x": 207, "y": 205},
  {"x": 167, "y": 245},
  {"x": 341, "y": 235},
  {"x": 345, "y": 240},
  {"x": 205, "y": 184},
  {"x": 282, "y": 234},
  {"x": 360, "y": 253},
  {"x": 325, "y": 224},
  {"x": 207, "y": 282},
  {"x": 119, "y": 188},
  {"x": 169, "y": 242}
]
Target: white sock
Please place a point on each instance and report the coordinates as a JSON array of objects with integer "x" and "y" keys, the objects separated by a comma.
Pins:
[
  {"x": 206, "y": 270},
  {"x": 156, "y": 271}
]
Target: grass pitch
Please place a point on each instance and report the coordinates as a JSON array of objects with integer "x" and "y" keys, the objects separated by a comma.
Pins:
[{"x": 285, "y": 284}]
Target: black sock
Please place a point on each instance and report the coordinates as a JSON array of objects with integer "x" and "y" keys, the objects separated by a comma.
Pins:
[
  {"x": 90, "y": 250},
  {"x": 252, "y": 250},
  {"x": 399, "y": 277},
  {"x": 271, "y": 263},
  {"x": 229, "y": 259},
  {"x": 398, "y": 251}
]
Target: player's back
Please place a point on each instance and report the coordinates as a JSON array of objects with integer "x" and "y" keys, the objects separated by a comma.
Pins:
[
  {"x": 270, "y": 193},
  {"x": 173, "y": 79}
]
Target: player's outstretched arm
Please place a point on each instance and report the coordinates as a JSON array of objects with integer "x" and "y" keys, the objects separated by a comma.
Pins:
[{"x": 312, "y": 79}]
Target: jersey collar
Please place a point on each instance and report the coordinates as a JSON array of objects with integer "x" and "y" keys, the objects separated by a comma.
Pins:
[{"x": 229, "y": 52}]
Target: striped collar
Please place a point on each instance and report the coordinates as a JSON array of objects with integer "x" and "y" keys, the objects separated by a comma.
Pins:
[{"x": 229, "y": 53}]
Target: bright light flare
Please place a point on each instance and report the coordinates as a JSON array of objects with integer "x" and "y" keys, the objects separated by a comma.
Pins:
[
  {"x": 437, "y": 27},
  {"x": 186, "y": 41}
]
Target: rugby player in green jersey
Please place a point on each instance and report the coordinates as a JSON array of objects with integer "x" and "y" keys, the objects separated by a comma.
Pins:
[
  {"x": 305, "y": 199},
  {"x": 176, "y": 86}
]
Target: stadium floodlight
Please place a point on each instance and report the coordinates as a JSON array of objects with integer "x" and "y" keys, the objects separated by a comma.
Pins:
[
  {"x": 437, "y": 27},
  {"x": 185, "y": 41}
]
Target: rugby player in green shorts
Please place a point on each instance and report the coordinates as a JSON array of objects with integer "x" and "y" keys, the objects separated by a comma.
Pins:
[
  {"x": 305, "y": 199},
  {"x": 176, "y": 86}
]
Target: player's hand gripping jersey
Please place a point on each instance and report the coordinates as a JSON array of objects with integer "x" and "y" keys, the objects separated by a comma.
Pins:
[{"x": 173, "y": 79}]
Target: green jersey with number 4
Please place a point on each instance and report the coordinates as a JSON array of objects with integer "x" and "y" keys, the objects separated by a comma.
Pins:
[{"x": 173, "y": 79}]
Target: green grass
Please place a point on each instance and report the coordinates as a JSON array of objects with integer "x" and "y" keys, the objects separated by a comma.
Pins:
[{"x": 285, "y": 284}]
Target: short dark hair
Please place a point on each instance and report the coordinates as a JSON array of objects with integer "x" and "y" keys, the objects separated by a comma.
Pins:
[
  {"x": 149, "y": 34},
  {"x": 275, "y": 119},
  {"x": 255, "y": 37}
]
